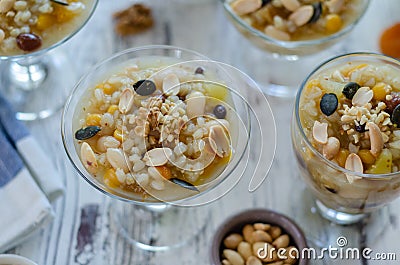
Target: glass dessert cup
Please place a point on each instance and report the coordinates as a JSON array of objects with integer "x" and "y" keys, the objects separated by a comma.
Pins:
[
  {"x": 286, "y": 57},
  {"x": 150, "y": 217},
  {"x": 27, "y": 77},
  {"x": 343, "y": 196}
]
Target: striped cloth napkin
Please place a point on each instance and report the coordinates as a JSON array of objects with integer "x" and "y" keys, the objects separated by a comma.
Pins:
[{"x": 28, "y": 181}]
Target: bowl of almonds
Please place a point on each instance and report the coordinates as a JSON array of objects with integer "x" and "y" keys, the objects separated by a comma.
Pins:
[{"x": 258, "y": 237}]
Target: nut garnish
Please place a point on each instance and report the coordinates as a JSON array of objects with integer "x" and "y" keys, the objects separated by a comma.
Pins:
[
  {"x": 126, "y": 101},
  {"x": 376, "y": 138},
  {"x": 276, "y": 33},
  {"x": 320, "y": 132},
  {"x": 291, "y": 5},
  {"x": 353, "y": 163},
  {"x": 363, "y": 96},
  {"x": 157, "y": 156},
  {"x": 302, "y": 15},
  {"x": 243, "y": 7},
  {"x": 88, "y": 158},
  {"x": 331, "y": 148}
]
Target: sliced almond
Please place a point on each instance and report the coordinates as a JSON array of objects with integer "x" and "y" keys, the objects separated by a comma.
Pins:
[
  {"x": 276, "y": 33},
  {"x": 302, "y": 15},
  {"x": 171, "y": 85},
  {"x": 353, "y": 163},
  {"x": 243, "y": 7},
  {"x": 375, "y": 136},
  {"x": 116, "y": 158},
  {"x": 195, "y": 104},
  {"x": 219, "y": 141},
  {"x": 331, "y": 148},
  {"x": 291, "y": 5},
  {"x": 157, "y": 156},
  {"x": 126, "y": 101},
  {"x": 363, "y": 96},
  {"x": 320, "y": 132},
  {"x": 88, "y": 158}
]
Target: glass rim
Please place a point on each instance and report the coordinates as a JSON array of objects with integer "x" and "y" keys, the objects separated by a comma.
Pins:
[
  {"x": 57, "y": 44},
  {"x": 87, "y": 176},
  {"x": 295, "y": 44},
  {"x": 300, "y": 126}
]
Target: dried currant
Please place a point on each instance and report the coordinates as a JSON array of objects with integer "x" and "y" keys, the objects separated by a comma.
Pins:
[
  {"x": 199, "y": 71},
  {"x": 360, "y": 128},
  {"x": 220, "y": 111},
  {"x": 395, "y": 117},
  {"x": 328, "y": 104},
  {"x": 350, "y": 89},
  {"x": 393, "y": 102},
  {"x": 28, "y": 41},
  {"x": 144, "y": 87}
]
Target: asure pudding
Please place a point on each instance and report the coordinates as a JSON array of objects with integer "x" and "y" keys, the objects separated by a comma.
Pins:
[
  {"x": 350, "y": 114},
  {"x": 29, "y": 25},
  {"x": 154, "y": 128},
  {"x": 298, "y": 20}
]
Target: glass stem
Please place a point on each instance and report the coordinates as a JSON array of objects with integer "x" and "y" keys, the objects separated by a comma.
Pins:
[{"x": 28, "y": 74}]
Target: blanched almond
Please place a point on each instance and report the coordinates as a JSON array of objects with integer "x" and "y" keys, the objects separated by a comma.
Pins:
[
  {"x": 276, "y": 33},
  {"x": 88, "y": 158},
  {"x": 363, "y": 96},
  {"x": 243, "y": 7},
  {"x": 171, "y": 85},
  {"x": 291, "y": 5},
  {"x": 331, "y": 148},
  {"x": 219, "y": 141},
  {"x": 375, "y": 136},
  {"x": 157, "y": 156},
  {"x": 302, "y": 15},
  {"x": 126, "y": 101},
  {"x": 353, "y": 163},
  {"x": 320, "y": 132},
  {"x": 195, "y": 104}
]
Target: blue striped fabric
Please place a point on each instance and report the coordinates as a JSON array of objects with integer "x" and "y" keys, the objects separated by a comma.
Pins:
[
  {"x": 14, "y": 129},
  {"x": 10, "y": 162}
]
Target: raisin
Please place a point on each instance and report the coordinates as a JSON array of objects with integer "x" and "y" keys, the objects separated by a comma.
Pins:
[
  {"x": 392, "y": 103},
  {"x": 28, "y": 41}
]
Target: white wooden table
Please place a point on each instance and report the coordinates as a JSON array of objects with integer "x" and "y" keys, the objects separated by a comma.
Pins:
[{"x": 201, "y": 26}]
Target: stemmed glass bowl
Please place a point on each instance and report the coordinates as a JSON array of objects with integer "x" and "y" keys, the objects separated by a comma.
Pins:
[
  {"x": 142, "y": 216},
  {"x": 286, "y": 63},
  {"x": 32, "y": 71},
  {"x": 342, "y": 196}
]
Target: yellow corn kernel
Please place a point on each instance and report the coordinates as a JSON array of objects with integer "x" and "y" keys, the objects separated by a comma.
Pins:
[
  {"x": 333, "y": 23},
  {"x": 108, "y": 89},
  {"x": 379, "y": 91},
  {"x": 118, "y": 135},
  {"x": 342, "y": 156},
  {"x": 366, "y": 156},
  {"x": 93, "y": 120},
  {"x": 45, "y": 21},
  {"x": 110, "y": 178},
  {"x": 112, "y": 109}
]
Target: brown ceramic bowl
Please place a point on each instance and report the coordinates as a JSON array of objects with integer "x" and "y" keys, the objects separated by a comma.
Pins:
[{"x": 234, "y": 224}]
